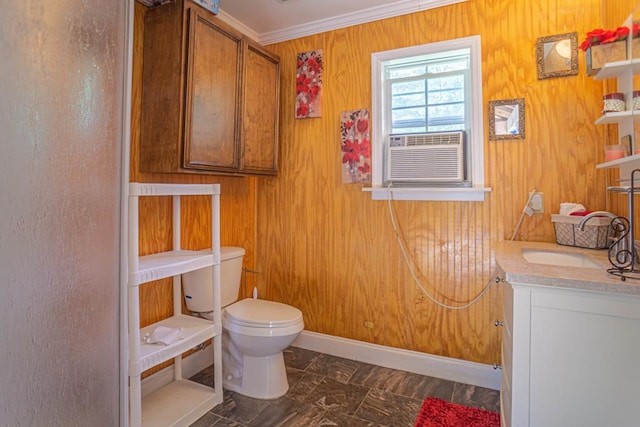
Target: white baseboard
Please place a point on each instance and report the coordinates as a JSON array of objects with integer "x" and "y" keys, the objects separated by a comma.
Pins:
[
  {"x": 191, "y": 365},
  {"x": 447, "y": 368}
]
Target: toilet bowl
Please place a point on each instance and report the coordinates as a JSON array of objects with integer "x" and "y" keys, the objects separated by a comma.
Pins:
[{"x": 254, "y": 331}]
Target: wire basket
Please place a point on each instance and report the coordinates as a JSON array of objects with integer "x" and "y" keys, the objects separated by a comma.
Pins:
[{"x": 596, "y": 234}]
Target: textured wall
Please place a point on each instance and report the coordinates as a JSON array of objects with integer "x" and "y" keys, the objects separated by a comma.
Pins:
[{"x": 61, "y": 119}]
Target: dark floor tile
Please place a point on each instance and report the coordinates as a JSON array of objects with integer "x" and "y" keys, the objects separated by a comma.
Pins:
[
  {"x": 223, "y": 422},
  {"x": 335, "y": 396},
  {"x": 377, "y": 377},
  {"x": 304, "y": 386},
  {"x": 207, "y": 420},
  {"x": 239, "y": 408},
  {"x": 298, "y": 358},
  {"x": 287, "y": 412},
  {"x": 204, "y": 377},
  {"x": 477, "y": 397},
  {"x": 336, "y": 419},
  {"x": 337, "y": 368},
  {"x": 420, "y": 386},
  {"x": 389, "y": 409}
]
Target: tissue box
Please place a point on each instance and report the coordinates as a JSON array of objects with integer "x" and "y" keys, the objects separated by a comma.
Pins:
[{"x": 595, "y": 235}]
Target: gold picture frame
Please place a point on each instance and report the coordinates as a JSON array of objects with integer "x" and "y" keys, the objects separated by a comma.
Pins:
[{"x": 557, "y": 56}]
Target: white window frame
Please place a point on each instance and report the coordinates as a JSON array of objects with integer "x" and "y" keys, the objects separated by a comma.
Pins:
[{"x": 380, "y": 128}]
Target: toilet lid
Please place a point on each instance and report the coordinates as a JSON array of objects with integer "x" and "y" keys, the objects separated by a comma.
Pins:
[{"x": 262, "y": 314}]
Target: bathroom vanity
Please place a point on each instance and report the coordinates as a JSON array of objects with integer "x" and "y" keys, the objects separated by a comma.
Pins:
[{"x": 571, "y": 338}]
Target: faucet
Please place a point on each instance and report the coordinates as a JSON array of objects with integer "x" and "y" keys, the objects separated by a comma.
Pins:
[{"x": 594, "y": 214}]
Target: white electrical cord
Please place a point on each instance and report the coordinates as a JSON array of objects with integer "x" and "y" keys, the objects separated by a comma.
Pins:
[
  {"x": 413, "y": 275},
  {"x": 524, "y": 211}
]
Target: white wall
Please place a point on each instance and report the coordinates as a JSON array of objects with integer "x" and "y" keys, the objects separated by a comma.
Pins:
[{"x": 61, "y": 104}]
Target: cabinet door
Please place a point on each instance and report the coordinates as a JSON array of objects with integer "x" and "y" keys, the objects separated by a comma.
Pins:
[
  {"x": 211, "y": 140},
  {"x": 260, "y": 115}
]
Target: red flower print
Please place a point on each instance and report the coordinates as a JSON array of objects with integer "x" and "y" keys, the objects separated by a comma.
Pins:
[
  {"x": 363, "y": 125},
  {"x": 365, "y": 148},
  {"x": 351, "y": 152},
  {"x": 365, "y": 168}
]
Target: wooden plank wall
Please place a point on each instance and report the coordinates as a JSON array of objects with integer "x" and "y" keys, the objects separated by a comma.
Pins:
[{"x": 328, "y": 249}]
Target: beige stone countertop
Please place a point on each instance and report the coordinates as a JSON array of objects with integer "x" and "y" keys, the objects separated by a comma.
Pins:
[{"x": 517, "y": 269}]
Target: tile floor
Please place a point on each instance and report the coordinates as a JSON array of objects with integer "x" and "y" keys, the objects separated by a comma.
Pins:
[{"x": 326, "y": 390}]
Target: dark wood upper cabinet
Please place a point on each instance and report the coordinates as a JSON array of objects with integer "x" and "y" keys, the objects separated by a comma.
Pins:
[{"x": 210, "y": 96}]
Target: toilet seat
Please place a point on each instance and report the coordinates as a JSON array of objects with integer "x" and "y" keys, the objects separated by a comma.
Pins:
[{"x": 262, "y": 318}]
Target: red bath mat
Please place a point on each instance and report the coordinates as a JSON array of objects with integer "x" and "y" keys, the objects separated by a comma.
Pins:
[{"x": 439, "y": 413}]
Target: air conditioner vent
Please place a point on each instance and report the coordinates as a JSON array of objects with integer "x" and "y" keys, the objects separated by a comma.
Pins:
[
  {"x": 433, "y": 139},
  {"x": 427, "y": 157}
]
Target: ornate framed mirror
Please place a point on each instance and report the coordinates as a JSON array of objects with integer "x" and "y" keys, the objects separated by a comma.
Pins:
[
  {"x": 506, "y": 119},
  {"x": 557, "y": 56}
]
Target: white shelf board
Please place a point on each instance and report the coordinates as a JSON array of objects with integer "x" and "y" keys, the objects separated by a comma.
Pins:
[
  {"x": 179, "y": 403},
  {"x": 617, "y": 117},
  {"x": 137, "y": 189},
  {"x": 612, "y": 70},
  {"x": 168, "y": 264},
  {"x": 194, "y": 329},
  {"x": 633, "y": 161}
]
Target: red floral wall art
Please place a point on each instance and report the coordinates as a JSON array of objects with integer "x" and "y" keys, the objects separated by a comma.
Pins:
[
  {"x": 309, "y": 84},
  {"x": 356, "y": 147}
]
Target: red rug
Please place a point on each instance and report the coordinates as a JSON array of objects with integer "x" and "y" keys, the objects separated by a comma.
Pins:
[{"x": 439, "y": 413}]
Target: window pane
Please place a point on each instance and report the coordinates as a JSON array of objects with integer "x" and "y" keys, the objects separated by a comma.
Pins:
[
  {"x": 442, "y": 67},
  {"x": 401, "y": 72},
  {"x": 446, "y": 83},
  {"x": 408, "y": 100},
  {"x": 411, "y": 86},
  {"x": 446, "y": 96}
]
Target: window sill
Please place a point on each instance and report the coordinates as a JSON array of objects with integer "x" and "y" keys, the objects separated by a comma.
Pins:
[{"x": 474, "y": 194}]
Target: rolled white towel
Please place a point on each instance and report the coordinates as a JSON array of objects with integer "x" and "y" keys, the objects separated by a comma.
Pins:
[{"x": 569, "y": 208}]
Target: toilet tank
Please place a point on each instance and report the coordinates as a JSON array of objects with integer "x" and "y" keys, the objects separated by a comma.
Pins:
[{"x": 196, "y": 285}]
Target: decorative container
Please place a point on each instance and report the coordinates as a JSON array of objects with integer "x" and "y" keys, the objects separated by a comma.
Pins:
[
  {"x": 210, "y": 5},
  {"x": 636, "y": 99},
  {"x": 615, "y": 152},
  {"x": 613, "y": 102},
  {"x": 635, "y": 48},
  {"x": 595, "y": 235},
  {"x": 597, "y": 56}
]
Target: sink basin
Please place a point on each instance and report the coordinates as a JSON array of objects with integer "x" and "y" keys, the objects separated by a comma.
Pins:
[{"x": 565, "y": 259}]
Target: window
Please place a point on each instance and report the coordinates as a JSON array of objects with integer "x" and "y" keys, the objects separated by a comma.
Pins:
[{"x": 435, "y": 87}]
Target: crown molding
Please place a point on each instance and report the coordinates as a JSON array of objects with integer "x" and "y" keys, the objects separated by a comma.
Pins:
[{"x": 337, "y": 22}]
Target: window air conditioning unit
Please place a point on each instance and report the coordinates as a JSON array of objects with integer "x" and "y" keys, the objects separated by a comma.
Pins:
[{"x": 426, "y": 157}]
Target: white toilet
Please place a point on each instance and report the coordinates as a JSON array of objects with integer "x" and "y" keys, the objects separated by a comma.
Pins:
[{"x": 254, "y": 331}]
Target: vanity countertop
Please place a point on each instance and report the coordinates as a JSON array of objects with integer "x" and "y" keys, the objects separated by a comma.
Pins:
[{"x": 517, "y": 269}]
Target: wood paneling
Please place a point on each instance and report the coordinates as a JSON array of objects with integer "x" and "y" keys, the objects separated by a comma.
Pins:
[{"x": 328, "y": 249}]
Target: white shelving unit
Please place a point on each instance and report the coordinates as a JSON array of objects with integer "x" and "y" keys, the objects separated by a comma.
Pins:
[
  {"x": 181, "y": 402},
  {"x": 623, "y": 72}
]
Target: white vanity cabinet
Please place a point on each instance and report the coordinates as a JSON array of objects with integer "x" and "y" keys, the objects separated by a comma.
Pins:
[
  {"x": 181, "y": 402},
  {"x": 570, "y": 357}
]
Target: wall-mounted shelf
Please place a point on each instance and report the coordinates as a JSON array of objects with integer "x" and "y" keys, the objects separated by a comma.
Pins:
[
  {"x": 616, "y": 69},
  {"x": 631, "y": 161},
  {"x": 618, "y": 117}
]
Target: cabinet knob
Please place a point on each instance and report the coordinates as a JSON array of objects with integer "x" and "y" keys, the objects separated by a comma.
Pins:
[
  {"x": 496, "y": 366},
  {"x": 499, "y": 279},
  {"x": 498, "y": 323}
]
